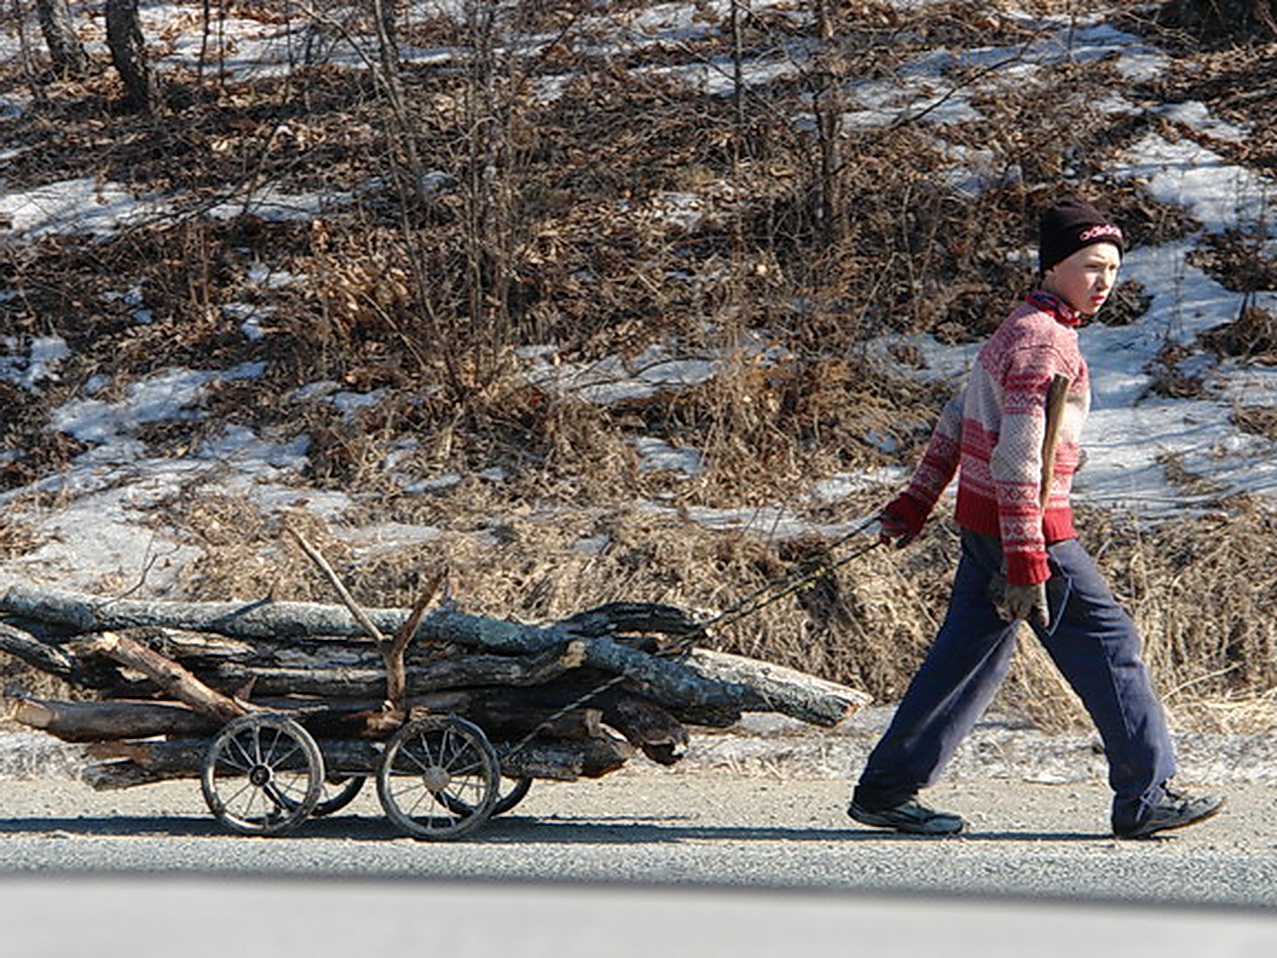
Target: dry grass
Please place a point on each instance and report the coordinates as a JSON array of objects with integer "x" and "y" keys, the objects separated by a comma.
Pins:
[{"x": 1199, "y": 590}]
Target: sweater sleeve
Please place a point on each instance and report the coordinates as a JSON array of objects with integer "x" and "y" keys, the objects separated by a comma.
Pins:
[
  {"x": 1016, "y": 462},
  {"x": 939, "y": 461}
]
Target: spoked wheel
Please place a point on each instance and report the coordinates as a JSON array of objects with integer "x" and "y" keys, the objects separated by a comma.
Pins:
[
  {"x": 510, "y": 793},
  {"x": 336, "y": 794},
  {"x": 439, "y": 778},
  {"x": 263, "y": 774}
]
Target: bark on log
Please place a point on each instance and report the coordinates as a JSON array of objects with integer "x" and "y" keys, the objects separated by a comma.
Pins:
[
  {"x": 710, "y": 684},
  {"x": 501, "y": 719},
  {"x": 28, "y": 648},
  {"x": 565, "y": 761},
  {"x": 269, "y": 619},
  {"x": 461, "y": 672},
  {"x": 646, "y": 725},
  {"x": 506, "y": 714},
  {"x": 508, "y": 720},
  {"x": 665, "y": 679},
  {"x": 106, "y": 721},
  {"x": 167, "y": 674},
  {"x": 312, "y": 667},
  {"x": 125, "y": 764},
  {"x": 618, "y": 617},
  {"x": 781, "y": 689}
]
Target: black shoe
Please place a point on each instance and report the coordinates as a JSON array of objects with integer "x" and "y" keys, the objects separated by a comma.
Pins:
[
  {"x": 909, "y": 817},
  {"x": 1173, "y": 811}
]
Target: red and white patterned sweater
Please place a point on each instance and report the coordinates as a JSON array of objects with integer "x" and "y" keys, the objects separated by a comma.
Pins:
[{"x": 993, "y": 430}]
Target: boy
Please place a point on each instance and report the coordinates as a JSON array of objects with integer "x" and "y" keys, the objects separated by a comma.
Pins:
[{"x": 1017, "y": 536}]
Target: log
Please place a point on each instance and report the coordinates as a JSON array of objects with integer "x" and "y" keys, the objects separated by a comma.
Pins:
[
  {"x": 780, "y": 689},
  {"x": 617, "y": 617},
  {"x": 337, "y": 719},
  {"x": 508, "y": 720},
  {"x": 316, "y": 667},
  {"x": 102, "y": 721},
  {"x": 125, "y": 720},
  {"x": 460, "y": 672},
  {"x": 506, "y": 714},
  {"x": 166, "y": 673},
  {"x": 565, "y": 761},
  {"x": 206, "y": 651},
  {"x": 653, "y": 730},
  {"x": 267, "y": 619},
  {"x": 126, "y": 764},
  {"x": 28, "y": 648},
  {"x": 260, "y": 619},
  {"x": 665, "y": 680},
  {"x": 711, "y": 685}
]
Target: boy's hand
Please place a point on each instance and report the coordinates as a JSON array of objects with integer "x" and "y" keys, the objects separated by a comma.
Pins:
[
  {"x": 901, "y": 520},
  {"x": 895, "y": 529},
  {"x": 1028, "y": 602}
]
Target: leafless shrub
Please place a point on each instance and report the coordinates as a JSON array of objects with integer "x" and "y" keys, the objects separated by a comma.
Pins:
[
  {"x": 1260, "y": 420},
  {"x": 1169, "y": 380},
  {"x": 1252, "y": 336}
]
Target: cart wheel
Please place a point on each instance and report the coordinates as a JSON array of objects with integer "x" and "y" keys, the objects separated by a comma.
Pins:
[
  {"x": 507, "y": 797},
  {"x": 512, "y": 796},
  {"x": 439, "y": 778},
  {"x": 263, "y": 774},
  {"x": 336, "y": 794}
]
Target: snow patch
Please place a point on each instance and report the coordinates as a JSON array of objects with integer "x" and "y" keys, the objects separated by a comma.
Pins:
[{"x": 83, "y": 206}]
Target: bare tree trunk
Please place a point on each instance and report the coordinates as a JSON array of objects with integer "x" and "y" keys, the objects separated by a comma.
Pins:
[
  {"x": 489, "y": 198},
  {"x": 66, "y": 53},
  {"x": 128, "y": 53},
  {"x": 385, "y": 13},
  {"x": 1266, "y": 13},
  {"x": 827, "y": 105},
  {"x": 738, "y": 72}
]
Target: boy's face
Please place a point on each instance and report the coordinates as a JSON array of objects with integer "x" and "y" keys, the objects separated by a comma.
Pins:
[{"x": 1086, "y": 278}]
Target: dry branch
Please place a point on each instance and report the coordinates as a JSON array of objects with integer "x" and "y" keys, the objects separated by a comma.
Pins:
[
  {"x": 167, "y": 674},
  {"x": 391, "y": 649}
]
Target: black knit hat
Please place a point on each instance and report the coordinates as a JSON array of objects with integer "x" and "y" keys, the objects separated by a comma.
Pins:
[{"x": 1070, "y": 225}]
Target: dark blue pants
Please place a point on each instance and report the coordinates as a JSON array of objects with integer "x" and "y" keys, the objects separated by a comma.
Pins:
[{"x": 1092, "y": 641}]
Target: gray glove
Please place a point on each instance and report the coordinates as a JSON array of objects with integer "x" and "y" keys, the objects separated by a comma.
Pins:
[
  {"x": 1028, "y": 602},
  {"x": 1016, "y": 602}
]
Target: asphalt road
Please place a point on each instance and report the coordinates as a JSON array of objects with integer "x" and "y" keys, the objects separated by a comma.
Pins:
[
  {"x": 723, "y": 859},
  {"x": 716, "y": 830}
]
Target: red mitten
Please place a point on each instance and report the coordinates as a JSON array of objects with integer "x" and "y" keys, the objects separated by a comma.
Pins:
[{"x": 902, "y": 519}]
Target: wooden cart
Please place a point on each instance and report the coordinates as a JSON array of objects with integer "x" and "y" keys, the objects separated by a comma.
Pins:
[{"x": 452, "y": 734}]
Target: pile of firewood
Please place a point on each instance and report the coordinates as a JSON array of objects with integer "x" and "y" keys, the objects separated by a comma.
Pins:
[{"x": 155, "y": 680}]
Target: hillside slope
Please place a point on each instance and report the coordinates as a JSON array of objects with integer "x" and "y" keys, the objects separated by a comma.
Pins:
[{"x": 612, "y": 301}]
